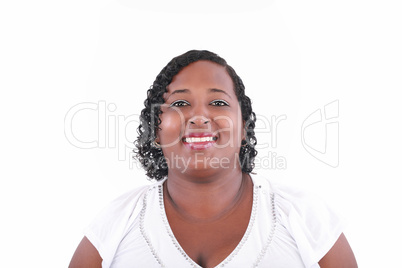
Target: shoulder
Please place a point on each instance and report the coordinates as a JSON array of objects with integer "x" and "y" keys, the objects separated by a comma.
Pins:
[
  {"x": 127, "y": 205},
  {"x": 130, "y": 198},
  {"x": 124, "y": 204},
  {"x": 291, "y": 199},
  {"x": 299, "y": 204},
  {"x": 314, "y": 226},
  {"x": 116, "y": 220}
]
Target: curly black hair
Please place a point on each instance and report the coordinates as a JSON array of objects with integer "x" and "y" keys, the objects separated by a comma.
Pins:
[{"x": 150, "y": 156}]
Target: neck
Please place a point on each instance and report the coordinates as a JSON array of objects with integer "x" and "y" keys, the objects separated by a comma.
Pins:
[{"x": 207, "y": 199}]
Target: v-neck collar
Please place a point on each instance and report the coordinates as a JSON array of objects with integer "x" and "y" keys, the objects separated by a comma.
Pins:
[{"x": 168, "y": 252}]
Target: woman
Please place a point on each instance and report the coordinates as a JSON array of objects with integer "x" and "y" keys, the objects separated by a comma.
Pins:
[{"x": 197, "y": 140}]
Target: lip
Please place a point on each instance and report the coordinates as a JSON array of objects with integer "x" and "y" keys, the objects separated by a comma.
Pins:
[
  {"x": 200, "y": 145},
  {"x": 199, "y": 135}
]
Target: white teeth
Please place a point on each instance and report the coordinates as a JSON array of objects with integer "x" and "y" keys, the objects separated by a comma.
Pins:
[{"x": 203, "y": 139}]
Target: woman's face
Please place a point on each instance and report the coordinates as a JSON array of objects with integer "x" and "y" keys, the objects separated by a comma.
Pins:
[{"x": 202, "y": 127}]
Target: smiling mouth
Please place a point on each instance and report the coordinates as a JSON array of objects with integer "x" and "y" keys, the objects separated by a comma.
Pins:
[{"x": 199, "y": 139}]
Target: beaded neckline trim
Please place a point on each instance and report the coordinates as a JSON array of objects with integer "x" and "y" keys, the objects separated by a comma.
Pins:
[
  {"x": 144, "y": 235},
  {"x": 271, "y": 234},
  {"x": 231, "y": 255},
  {"x": 235, "y": 251}
]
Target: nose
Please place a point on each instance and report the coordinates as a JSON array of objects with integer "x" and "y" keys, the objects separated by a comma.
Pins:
[{"x": 199, "y": 120}]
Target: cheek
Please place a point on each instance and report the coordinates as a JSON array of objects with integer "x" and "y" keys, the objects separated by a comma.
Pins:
[
  {"x": 171, "y": 127},
  {"x": 230, "y": 129},
  {"x": 230, "y": 123}
]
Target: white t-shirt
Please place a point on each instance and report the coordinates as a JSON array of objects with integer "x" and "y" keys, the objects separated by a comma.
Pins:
[{"x": 287, "y": 228}]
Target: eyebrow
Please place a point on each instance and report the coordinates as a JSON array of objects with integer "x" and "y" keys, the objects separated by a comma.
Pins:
[
  {"x": 219, "y": 90},
  {"x": 211, "y": 90},
  {"x": 180, "y": 91}
]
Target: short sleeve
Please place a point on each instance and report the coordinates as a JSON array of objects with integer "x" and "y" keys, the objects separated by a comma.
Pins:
[
  {"x": 314, "y": 226},
  {"x": 112, "y": 223}
]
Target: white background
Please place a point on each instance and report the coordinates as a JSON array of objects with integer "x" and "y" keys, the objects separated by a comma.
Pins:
[{"x": 293, "y": 56}]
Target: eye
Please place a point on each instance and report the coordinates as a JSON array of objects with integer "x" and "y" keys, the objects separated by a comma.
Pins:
[
  {"x": 179, "y": 103},
  {"x": 219, "y": 103}
]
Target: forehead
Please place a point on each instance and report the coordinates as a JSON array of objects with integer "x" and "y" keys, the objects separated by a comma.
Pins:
[{"x": 202, "y": 74}]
